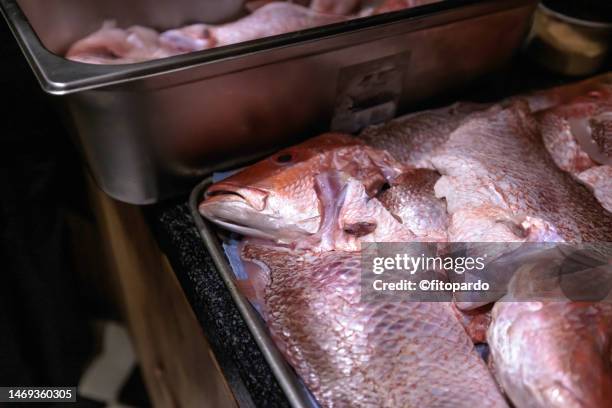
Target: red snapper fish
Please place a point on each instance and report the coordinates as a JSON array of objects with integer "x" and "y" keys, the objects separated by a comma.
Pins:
[
  {"x": 356, "y": 353},
  {"x": 549, "y": 98},
  {"x": 412, "y": 200},
  {"x": 578, "y": 136},
  {"x": 553, "y": 354},
  {"x": 414, "y": 138},
  {"x": 331, "y": 192},
  {"x": 277, "y": 197},
  {"x": 501, "y": 185}
]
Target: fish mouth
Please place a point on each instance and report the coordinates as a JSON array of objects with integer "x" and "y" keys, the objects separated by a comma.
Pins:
[
  {"x": 242, "y": 210},
  {"x": 243, "y": 229},
  {"x": 226, "y": 191},
  {"x": 232, "y": 212}
]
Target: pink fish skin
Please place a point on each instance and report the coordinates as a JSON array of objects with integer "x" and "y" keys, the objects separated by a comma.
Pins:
[
  {"x": 501, "y": 185},
  {"x": 553, "y": 354},
  {"x": 412, "y": 199},
  {"x": 276, "y": 198},
  {"x": 351, "y": 217},
  {"x": 378, "y": 353},
  {"x": 549, "y": 98},
  {"x": 412, "y": 139},
  {"x": 578, "y": 136},
  {"x": 599, "y": 180}
]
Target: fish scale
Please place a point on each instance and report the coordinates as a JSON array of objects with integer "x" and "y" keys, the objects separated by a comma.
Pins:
[
  {"x": 498, "y": 184},
  {"x": 276, "y": 197},
  {"x": 590, "y": 114},
  {"x": 412, "y": 139},
  {"x": 495, "y": 168},
  {"x": 383, "y": 353},
  {"x": 412, "y": 199},
  {"x": 553, "y": 354},
  {"x": 496, "y": 173}
]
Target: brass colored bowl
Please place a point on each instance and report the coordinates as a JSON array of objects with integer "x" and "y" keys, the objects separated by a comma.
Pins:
[{"x": 568, "y": 45}]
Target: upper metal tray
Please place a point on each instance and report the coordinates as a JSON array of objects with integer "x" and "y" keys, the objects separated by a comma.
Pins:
[{"x": 44, "y": 29}]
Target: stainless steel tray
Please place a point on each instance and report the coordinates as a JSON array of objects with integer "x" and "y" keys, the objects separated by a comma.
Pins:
[
  {"x": 286, "y": 377},
  {"x": 150, "y": 130}
]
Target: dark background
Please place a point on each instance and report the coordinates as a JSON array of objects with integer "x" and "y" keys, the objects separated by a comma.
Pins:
[
  {"x": 45, "y": 338},
  {"x": 45, "y": 311}
]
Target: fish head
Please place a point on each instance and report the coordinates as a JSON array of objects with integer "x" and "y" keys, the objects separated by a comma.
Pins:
[{"x": 276, "y": 198}]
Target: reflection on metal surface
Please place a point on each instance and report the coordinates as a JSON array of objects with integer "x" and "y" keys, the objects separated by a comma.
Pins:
[
  {"x": 200, "y": 111},
  {"x": 369, "y": 93}
]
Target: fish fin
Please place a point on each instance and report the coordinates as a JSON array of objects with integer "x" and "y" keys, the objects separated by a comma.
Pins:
[
  {"x": 331, "y": 191},
  {"x": 476, "y": 322},
  {"x": 388, "y": 166},
  {"x": 531, "y": 229},
  {"x": 254, "y": 286}
]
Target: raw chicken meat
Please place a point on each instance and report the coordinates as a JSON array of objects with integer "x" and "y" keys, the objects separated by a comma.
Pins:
[
  {"x": 393, "y": 5},
  {"x": 271, "y": 19},
  {"x": 113, "y": 45},
  {"x": 341, "y": 7}
]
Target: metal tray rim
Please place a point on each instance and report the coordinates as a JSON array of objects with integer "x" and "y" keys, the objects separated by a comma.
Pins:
[
  {"x": 60, "y": 76},
  {"x": 286, "y": 377}
]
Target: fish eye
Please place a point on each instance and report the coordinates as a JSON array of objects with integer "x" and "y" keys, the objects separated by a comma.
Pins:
[{"x": 284, "y": 158}]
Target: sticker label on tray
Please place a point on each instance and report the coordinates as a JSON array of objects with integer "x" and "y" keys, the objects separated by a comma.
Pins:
[{"x": 369, "y": 93}]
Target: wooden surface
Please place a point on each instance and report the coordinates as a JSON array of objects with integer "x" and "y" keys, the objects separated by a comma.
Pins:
[{"x": 178, "y": 367}]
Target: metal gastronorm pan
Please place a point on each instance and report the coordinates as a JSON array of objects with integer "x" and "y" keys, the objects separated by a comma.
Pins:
[
  {"x": 286, "y": 377},
  {"x": 149, "y": 130}
]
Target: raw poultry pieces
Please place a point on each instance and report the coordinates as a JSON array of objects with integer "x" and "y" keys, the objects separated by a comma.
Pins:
[{"x": 115, "y": 45}]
